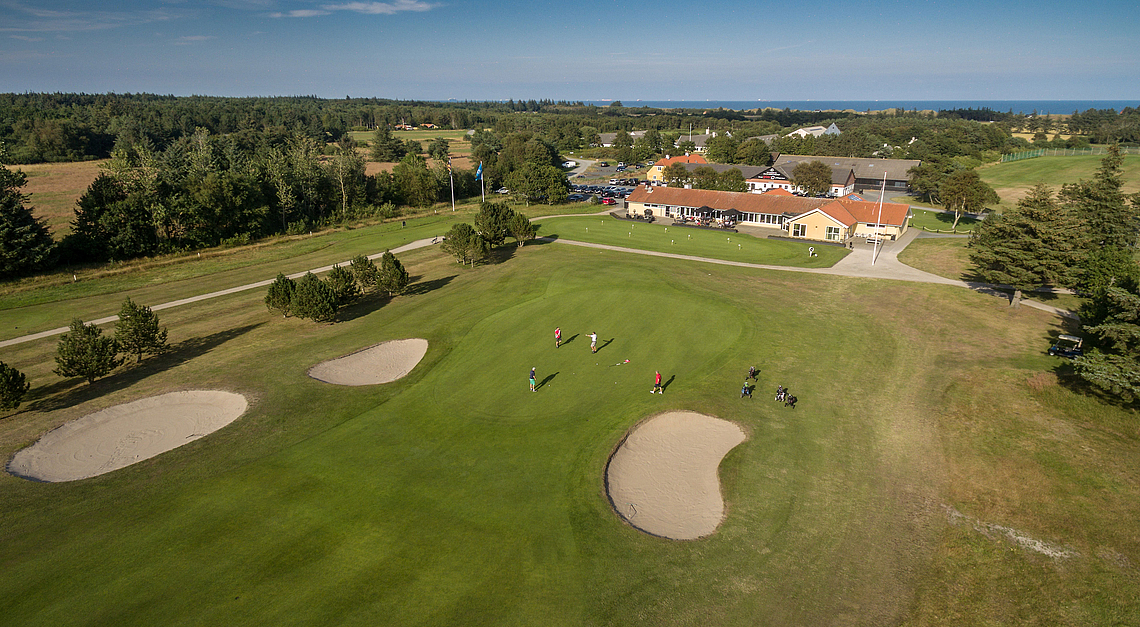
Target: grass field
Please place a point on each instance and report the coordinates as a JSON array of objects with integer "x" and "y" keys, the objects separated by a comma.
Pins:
[
  {"x": 688, "y": 241},
  {"x": 941, "y": 221},
  {"x": 456, "y": 496},
  {"x": 54, "y": 188},
  {"x": 1014, "y": 179}
]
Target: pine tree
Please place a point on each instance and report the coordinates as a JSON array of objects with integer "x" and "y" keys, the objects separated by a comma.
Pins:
[
  {"x": 393, "y": 277},
  {"x": 1027, "y": 247},
  {"x": 1110, "y": 220},
  {"x": 280, "y": 296},
  {"x": 314, "y": 299},
  {"x": 13, "y": 386},
  {"x": 464, "y": 244},
  {"x": 343, "y": 286},
  {"x": 492, "y": 222},
  {"x": 1114, "y": 364},
  {"x": 366, "y": 273},
  {"x": 25, "y": 242},
  {"x": 84, "y": 352},
  {"x": 137, "y": 331},
  {"x": 521, "y": 228}
]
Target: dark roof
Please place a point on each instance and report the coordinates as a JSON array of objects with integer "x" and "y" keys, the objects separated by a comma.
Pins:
[
  {"x": 748, "y": 171},
  {"x": 896, "y": 169}
]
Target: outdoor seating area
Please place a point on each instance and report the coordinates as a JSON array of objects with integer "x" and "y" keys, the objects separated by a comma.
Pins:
[{"x": 708, "y": 217}]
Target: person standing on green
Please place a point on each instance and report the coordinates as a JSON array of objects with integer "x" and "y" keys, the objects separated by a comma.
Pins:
[
  {"x": 593, "y": 341},
  {"x": 532, "y": 377}
]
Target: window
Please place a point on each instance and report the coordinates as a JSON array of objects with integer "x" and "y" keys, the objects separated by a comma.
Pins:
[
  {"x": 799, "y": 230},
  {"x": 833, "y": 233}
]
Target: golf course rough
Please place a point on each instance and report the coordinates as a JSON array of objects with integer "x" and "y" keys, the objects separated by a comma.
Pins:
[
  {"x": 662, "y": 479},
  {"x": 382, "y": 363},
  {"x": 126, "y": 434}
]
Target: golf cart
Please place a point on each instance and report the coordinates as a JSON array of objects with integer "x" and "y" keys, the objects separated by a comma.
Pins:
[{"x": 1067, "y": 346}]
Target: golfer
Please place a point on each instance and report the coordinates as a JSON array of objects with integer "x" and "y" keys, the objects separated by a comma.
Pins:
[
  {"x": 557, "y": 337},
  {"x": 745, "y": 390},
  {"x": 532, "y": 376},
  {"x": 593, "y": 342},
  {"x": 657, "y": 383}
]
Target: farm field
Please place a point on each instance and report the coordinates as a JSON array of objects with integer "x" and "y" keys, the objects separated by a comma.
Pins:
[
  {"x": 1013, "y": 180},
  {"x": 939, "y": 470},
  {"x": 54, "y": 189}
]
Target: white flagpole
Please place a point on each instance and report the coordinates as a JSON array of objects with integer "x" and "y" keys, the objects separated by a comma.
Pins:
[
  {"x": 452, "y": 179},
  {"x": 482, "y": 184},
  {"x": 879, "y": 221}
]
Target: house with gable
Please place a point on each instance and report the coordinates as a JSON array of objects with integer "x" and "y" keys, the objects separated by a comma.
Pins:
[
  {"x": 654, "y": 173},
  {"x": 869, "y": 173},
  {"x": 780, "y": 177}
]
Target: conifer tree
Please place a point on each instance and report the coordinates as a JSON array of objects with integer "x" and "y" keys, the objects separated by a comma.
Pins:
[
  {"x": 343, "y": 285},
  {"x": 314, "y": 299},
  {"x": 13, "y": 386},
  {"x": 365, "y": 272},
  {"x": 521, "y": 228},
  {"x": 25, "y": 242},
  {"x": 1026, "y": 247},
  {"x": 393, "y": 277},
  {"x": 280, "y": 296},
  {"x": 137, "y": 331},
  {"x": 84, "y": 352}
]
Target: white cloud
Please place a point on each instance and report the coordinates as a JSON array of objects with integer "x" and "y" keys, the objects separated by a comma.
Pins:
[
  {"x": 382, "y": 8},
  {"x": 26, "y": 38},
  {"x": 35, "y": 19},
  {"x": 192, "y": 39},
  {"x": 300, "y": 13}
]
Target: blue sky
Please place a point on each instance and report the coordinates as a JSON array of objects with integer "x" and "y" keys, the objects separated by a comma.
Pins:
[{"x": 586, "y": 50}]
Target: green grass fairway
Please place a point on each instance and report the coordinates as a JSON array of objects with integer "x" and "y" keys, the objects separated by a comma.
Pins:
[
  {"x": 680, "y": 240},
  {"x": 1014, "y": 179},
  {"x": 457, "y": 497},
  {"x": 941, "y": 221}
]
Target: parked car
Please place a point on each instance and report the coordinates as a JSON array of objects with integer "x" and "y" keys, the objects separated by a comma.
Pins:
[
  {"x": 603, "y": 164},
  {"x": 502, "y": 190},
  {"x": 609, "y": 201}
]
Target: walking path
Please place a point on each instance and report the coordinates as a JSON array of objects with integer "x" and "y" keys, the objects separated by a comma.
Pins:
[
  {"x": 233, "y": 290},
  {"x": 856, "y": 264}
]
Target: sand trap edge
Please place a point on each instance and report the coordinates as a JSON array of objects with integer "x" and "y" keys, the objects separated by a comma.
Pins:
[
  {"x": 232, "y": 406},
  {"x": 345, "y": 370},
  {"x": 621, "y": 443}
]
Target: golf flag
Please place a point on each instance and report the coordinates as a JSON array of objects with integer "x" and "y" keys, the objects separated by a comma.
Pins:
[
  {"x": 479, "y": 172},
  {"x": 449, "y": 165}
]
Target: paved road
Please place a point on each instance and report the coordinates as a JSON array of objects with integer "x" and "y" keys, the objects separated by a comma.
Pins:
[{"x": 233, "y": 290}]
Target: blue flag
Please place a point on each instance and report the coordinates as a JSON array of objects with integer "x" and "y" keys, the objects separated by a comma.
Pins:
[{"x": 479, "y": 172}]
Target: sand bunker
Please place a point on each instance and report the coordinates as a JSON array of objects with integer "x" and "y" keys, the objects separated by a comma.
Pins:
[
  {"x": 382, "y": 363},
  {"x": 663, "y": 478},
  {"x": 126, "y": 434}
]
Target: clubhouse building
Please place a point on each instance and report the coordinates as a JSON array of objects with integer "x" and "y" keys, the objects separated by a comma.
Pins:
[{"x": 786, "y": 215}]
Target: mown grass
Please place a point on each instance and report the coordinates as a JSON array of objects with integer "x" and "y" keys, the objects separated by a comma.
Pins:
[
  {"x": 689, "y": 241},
  {"x": 941, "y": 221},
  {"x": 1014, "y": 179},
  {"x": 456, "y": 496}
]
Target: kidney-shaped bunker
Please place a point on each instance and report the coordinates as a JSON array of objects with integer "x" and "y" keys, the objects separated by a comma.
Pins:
[
  {"x": 126, "y": 434},
  {"x": 663, "y": 478},
  {"x": 382, "y": 363}
]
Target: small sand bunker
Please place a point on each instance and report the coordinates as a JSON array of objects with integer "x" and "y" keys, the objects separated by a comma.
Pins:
[
  {"x": 663, "y": 478},
  {"x": 126, "y": 434},
  {"x": 382, "y": 363}
]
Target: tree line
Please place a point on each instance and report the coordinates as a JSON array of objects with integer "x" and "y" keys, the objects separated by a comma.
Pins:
[{"x": 1085, "y": 236}]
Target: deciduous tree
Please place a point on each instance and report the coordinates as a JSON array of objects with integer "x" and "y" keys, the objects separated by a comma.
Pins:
[
  {"x": 464, "y": 243},
  {"x": 676, "y": 175},
  {"x": 84, "y": 352},
  {"x": 965, "y": 192},
  {"x": 137, "y": 331},
  {"x": 521, "y": 228},
  {"x": 813, "y": 177}
]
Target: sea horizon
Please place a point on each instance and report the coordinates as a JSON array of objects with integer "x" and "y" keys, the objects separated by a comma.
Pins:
[{"x": 1001, "y": 106}]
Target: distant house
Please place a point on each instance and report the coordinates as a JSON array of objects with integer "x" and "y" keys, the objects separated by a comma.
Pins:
[
  {"x": 823, "y": 219},
  {"x": 868, "y": 172},
  {"x": 608, "y": 138},
  {"x": 654, "y": 173},
  {"x": 780, "y": 177},
  {"x": 699, "y": 141},
  {"x": 816, "y": 131}
]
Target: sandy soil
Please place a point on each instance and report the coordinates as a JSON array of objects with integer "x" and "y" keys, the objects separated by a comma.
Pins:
[
  {"x": 382, "y": 363},
  {"x": 663, "y": 478},
  {"x": 126, "y": 434}
]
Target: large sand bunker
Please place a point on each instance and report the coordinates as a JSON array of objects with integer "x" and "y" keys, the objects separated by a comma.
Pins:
[
  {"x": 126, "y": 434},
  {"x": 663, "y": 478},
  {"x": 382, "y": 363}
]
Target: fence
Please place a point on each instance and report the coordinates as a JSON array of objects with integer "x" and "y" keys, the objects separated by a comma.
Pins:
[{"x": 1065, "y": 152}]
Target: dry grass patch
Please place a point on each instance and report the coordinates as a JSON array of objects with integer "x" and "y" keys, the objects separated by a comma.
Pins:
[{"x": 55, "y": 187}]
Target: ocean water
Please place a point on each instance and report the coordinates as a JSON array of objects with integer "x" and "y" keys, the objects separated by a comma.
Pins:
[{"x": 1016, "y": 106}]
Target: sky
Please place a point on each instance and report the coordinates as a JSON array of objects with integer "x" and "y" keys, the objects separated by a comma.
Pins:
[{"x": 584, "y": 50}]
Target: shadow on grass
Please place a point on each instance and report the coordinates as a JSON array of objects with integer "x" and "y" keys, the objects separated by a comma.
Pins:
[
  {"x": 548, "y": 379},
  {"x": 569, "y": 339},
  {"x": 502, "y": 254},
  {"x": 604, "y": 344},
  {"x": 665, "y": 386},
  {"x": 73, "y": 391},
  {"x": 420, "y": 288}
]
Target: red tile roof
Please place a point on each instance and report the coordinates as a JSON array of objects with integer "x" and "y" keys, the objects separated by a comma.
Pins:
[
  {"x": 846, "y": 211},
  {"x": 681, "y": 159},
  {"x": 779, "y": 191}
]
